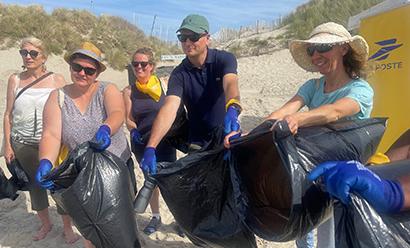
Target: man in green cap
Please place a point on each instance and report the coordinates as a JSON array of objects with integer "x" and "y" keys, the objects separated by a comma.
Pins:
[{"x": 206, "y": 82}]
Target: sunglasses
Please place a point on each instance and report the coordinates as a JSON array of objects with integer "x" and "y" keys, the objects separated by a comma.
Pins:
[
  {"x": 192, "y": 37},
  {"x": 33, "y": 53},
  {"x": 143, "y": 64},
  {"x": 87, "y": 70},
  {"x": 320, "y": 48}
]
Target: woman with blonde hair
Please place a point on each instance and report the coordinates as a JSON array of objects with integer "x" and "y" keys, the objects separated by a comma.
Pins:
[
  {"x": 143, "y": 101},
  {"x": 27, "y": 93}
]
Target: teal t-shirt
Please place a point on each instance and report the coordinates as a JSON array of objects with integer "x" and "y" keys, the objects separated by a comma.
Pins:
[{"x": 359, "y": 90}]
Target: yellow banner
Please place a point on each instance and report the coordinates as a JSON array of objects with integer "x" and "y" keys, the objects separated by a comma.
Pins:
[{"x": 388, "y": 36}]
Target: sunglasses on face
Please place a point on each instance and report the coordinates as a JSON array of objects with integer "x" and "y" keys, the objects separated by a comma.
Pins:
[
  {"x": 25, "y": 52},
  {"x": 87, "y": 70},
  {"x": 320, "y": 48},
  {"x": 192, "y": 37},
  {"x": 143, "y": 64}
]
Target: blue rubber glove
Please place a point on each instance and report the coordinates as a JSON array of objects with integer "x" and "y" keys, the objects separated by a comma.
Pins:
[
  {"x": 43, "y": 169},
  {"x": 102, "y": 138},
  {"x": 149, "y": 161},
  {"x": 136, "y": 137},
  {"x": 342, "y": 177},
  {"x": 231, "y": 122}
]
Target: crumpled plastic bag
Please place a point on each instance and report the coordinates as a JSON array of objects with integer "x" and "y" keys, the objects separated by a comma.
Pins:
[{"x": 96, "y": 191}]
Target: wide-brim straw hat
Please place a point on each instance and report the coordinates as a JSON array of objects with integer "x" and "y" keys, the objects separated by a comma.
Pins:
[
  {"x": 90, "y": 50},
  {"x": 327, "y": 33}
]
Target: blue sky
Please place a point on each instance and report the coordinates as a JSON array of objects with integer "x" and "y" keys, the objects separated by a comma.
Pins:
[{"x": 169, "y": 13}]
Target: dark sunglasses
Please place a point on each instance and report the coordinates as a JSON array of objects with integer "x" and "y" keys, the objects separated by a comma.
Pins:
[
  {"x": 87, "y": 70},
  {"x": 143, "y": 64},
  {"x": 320, "y": 48},
  {"x": 33, "y": 53},
  {"x": 192, "y": 37}
]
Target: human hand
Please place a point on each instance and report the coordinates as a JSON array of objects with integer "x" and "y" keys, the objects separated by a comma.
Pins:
[
  {"x": 231, "y": 125},
  {"x": 136, "y": 137},
  {"x": 102, "y": 138},
  {"x": 149, "y": 161},
  {"x": 343, "y": 177},
  {"x": 43, "y": 169},
  {"x": 8, "y": 154},
  {"x": 293, "y": 123}
]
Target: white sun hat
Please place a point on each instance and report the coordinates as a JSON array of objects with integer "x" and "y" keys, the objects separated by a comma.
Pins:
[{"x": 327, "y": 33}]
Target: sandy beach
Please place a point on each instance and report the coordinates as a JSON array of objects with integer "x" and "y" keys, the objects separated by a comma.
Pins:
[{"x": 266, "y": 82}]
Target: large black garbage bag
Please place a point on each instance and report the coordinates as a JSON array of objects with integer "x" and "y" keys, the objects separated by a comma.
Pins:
[
  {"x": 7, "y": 189},
  {"x": 18, "y": 181},
  {"x": 19, "y": 177},
  {"x": 271, "y": 166},
  {"x": 358, "y": 225},
  {"x": 97, "y": 194},
  {"x": 263, "y": 186},
  {"x": 198, "y": 192}
]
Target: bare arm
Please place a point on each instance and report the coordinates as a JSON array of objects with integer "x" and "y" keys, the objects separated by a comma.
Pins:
[
  {"x": 327, "y": 113},
  {"x": 291, "y": 107},
  {"x": 164, "y": 120},
  {"x": 51, "y": 137},
  {"x": 405, "y": 184},
  {"x": 8, "y": 116},
  {"x": 114, "y": 106},
  {"x": 129, "y": 120},
  {"x": 231, "y": 88}
]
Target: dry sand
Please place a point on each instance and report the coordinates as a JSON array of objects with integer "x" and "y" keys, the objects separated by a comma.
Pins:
[{"x": 266, "y": 82}]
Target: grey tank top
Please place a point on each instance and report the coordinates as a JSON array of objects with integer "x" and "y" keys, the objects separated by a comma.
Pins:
[{"x": 78, "y": 128}]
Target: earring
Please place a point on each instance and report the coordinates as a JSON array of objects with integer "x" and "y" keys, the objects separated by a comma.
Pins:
[{"x": 44, "y": 67}]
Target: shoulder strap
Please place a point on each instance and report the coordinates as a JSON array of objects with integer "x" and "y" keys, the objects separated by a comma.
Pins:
[
  {"x": 32, "y": 83},
  {"x": 60, "y": 97}
]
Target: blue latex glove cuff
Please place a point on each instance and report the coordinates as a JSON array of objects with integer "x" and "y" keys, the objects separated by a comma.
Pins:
[
  {"x": 231, "y": 122},
  {"x": 102, "y": 138},
  {"x": 136, "y": 137},
  {"x": 149, "y": 161},
  {"x": 43, "y": 169}
]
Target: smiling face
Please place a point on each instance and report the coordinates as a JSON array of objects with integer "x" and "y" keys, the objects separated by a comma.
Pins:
[
  {"x": 80, "y": 78},
  {"x": 29, "y": 61},
  {"x": 331, "y": 61},
  {"x": 142, "y": 67},
  {"x": 194, "y": 49}
]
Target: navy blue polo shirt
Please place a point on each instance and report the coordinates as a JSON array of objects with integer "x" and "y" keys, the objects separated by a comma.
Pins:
[{"x": 201, "y": 90}]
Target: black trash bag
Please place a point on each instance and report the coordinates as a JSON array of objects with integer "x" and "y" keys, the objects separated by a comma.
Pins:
[
  {"x": 19, "y": 177},
  {"x": 96, "y": 192},
  {"x": 263, "y": 185},
  {"x": 358, "y": 225},
  {"x": 18, "y": 181},
  {"x": 7, "y": 189},
  {"x": 198, "y": 191},
  {"x": 271, "y": 166}
]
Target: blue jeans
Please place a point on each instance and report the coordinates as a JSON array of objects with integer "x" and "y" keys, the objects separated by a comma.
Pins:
[{"x": 307, "y": 241}]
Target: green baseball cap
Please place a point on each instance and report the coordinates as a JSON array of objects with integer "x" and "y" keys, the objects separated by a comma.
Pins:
[{"x": 196, "y": 23}]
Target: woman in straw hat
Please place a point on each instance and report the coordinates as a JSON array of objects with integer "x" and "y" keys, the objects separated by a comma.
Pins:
[
  {"x": 23, "y": 125},
  {"x": 341, "y": 93},
  {"x": 90, "y": 109}
]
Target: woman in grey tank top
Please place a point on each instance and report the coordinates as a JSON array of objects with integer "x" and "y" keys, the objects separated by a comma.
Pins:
[{"x": 91, "y": 110}]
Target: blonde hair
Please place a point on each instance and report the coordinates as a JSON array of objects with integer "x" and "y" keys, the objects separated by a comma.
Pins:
[{"x": 36, "y": 43}]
